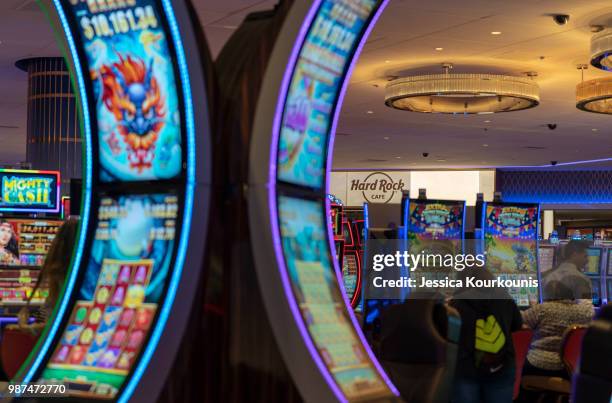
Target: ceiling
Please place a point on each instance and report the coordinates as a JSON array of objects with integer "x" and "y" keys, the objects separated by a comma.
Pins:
[
  {"x": 371, "y": 135},
  {"x": 402, "y": 42}
]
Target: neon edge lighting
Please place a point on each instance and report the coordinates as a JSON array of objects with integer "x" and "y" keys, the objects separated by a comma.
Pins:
[{"x": 272, "y": 199}]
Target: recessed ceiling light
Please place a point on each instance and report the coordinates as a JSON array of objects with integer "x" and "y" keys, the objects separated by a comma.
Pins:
[
  {"x": 495, "y": 32},
  {"x": 441, "y": 160},
  {"x": 594, "y": 129},
  {"x": 370, "y": 112},
  {"x": 487, "y": 121},
  {"x": 485, "y": 145},
  {"x": 387, "y": 61},
  {"x": 386, "y": 138},
  {"x": 439, "y": 49},
  {"x": 398, "y": 157}
]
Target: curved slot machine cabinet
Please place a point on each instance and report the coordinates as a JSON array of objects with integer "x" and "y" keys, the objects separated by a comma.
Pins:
[
  {"x": 146, "y": 137},
  {"x": 290, "y": 161}
]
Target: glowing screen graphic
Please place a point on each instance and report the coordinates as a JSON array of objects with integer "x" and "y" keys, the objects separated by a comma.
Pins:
[
  {"x": 432, "y": 220},
  {"x": 135, "y": 89},
  {"x": 124, "y": 283},
  {"x": 314, "y": 283},
  {"x": 510, "y": 245},
  {"x": 26, "y": 242},
  {"x": 315, "y": 87},
  {"x": 29, "y": 191}
]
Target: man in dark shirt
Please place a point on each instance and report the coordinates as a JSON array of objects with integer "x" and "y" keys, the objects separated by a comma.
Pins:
[{"x": 495, "y": 383}]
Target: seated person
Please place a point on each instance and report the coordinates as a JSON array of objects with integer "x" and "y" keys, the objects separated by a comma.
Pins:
[
  {"x": 569, "y": 272},
  {"x": 53, "y": 275},
  {"x": 549, "y": 321}
]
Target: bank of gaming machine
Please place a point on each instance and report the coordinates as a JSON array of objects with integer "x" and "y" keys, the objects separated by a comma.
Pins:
[
  {"x": 435, "y": 227},
  {"x": 118, "y": 323},
  {"x": 510, "y": 245},
  {"x": 29, "y": 220}
]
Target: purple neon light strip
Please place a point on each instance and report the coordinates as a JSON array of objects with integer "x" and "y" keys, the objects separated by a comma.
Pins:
[
  {"x": 332, "y": 136},
  {"x": 276, "y": 238},
  {"x": 560, "y": 164}
]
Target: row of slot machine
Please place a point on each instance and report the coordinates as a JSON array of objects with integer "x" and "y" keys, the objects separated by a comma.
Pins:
[
  {"x": 349, "y": 239},
  {"x": 507, "y": 233},
  {"x": 30, "y": 217},
  {"x": 598, "y": 269}
]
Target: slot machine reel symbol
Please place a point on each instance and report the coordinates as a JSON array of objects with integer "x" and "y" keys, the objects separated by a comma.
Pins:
[
  {"x": 135, "y": 296},
  {"x": 86, "y": 336},
  {"x": 102, "y": 295},
  {"x": 95, "y": 315}
]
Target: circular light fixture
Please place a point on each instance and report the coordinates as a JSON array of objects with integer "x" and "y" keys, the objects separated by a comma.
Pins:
[
  {"x": 462, "y": 93},
  {"x": 601, "y": 50},
  {"x": 595, "y": 95}
]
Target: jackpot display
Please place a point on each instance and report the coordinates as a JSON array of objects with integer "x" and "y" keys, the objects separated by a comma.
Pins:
[
  {"x": 29, "y": 191},
  {"x": 313, "y": 280},
  {"x": 314, "y": 90},
  {"x": 137, "y": 106},
  {"x": 124, "y": 284},
  {"x": 511, "y": 246},
  {"x": 26, "y": 242}
]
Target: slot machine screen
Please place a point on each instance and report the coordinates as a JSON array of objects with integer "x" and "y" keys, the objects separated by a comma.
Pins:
[
  {"x": 546, "y": 256},
  {"x": 592, "y": 267},
  {"x": 435, "y": 224},
  {"x": 336, "y": 219},
  {"x": 133, "y": 79},
  {"x": 595, "y": 284},
  {"x": 510, "y": 246},
  {"x": 25, "y": 243},
  {"x": 435, "y": 227},
  {"x": 123, "y": 285},
  {"x": 359, "y": 227},
  {"x": 347, "y": 233},
  {"x": 318, "y": 296},
  {"x": 314, "y": 90},
  {"x": 16, "y": 286}
]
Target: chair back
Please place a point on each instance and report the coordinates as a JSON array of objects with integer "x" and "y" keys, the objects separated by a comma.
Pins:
[
  {"x": 521, "y": 340},
  {"x": 570, "y": 347},
  {"x": 16, "y": 346}
]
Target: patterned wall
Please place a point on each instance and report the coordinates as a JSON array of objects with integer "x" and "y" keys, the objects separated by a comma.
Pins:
[{"x": 555, "y": 186}]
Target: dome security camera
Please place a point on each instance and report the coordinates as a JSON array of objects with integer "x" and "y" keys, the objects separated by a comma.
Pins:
[
  {"x": 561, "y": 19},
  {"x": 425, "y": 155},
  {"x": 552, "y": 126},
  {"x": 553, "y": 163}
]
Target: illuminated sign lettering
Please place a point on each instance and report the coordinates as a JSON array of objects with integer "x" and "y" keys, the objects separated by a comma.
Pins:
[{"x": 29, "y": 191}]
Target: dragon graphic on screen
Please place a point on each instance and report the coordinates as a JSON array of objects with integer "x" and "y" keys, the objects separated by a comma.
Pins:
[{"x": 131, "y": 93}]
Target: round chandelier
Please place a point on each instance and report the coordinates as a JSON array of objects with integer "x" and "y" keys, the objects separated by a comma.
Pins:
[
  {"x": 601, "y": 50},
  {"x": 462, "y": 93},
  {"x": 595, "y": 95}
]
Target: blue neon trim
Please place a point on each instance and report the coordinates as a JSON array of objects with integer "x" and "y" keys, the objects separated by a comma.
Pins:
[
  {"x": 63, "y": 306},
  {"x": 150, "y": 348},
  {"x": 538, "y": 271}
]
